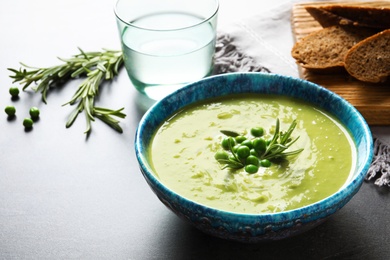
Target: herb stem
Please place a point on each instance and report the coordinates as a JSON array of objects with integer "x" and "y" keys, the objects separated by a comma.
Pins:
[{"x": 95, "y": 66}]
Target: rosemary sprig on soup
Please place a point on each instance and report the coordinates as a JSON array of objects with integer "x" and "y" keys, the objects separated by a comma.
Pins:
[{"x": 240, "y": 151}]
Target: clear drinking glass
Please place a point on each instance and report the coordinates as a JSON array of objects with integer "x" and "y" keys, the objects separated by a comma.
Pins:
[{"x": 167, "y": 43}]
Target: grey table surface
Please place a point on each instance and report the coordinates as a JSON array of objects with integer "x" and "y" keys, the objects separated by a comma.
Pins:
[{"x": 65, "y": 196}]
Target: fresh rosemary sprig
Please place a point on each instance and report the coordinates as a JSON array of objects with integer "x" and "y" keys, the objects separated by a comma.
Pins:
[
  {"x": 96, "y": 66},
  {"x": 240, "y": 152},
  {"x": 280, "y": 142}
]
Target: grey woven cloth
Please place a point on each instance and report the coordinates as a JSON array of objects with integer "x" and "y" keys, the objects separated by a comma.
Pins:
[
  {"x": 230, "y": 58},
  {"x": 380, "y": 167}
]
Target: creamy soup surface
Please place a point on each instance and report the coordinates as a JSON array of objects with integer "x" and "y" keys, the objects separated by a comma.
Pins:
[{"x": 182, "y": 154}]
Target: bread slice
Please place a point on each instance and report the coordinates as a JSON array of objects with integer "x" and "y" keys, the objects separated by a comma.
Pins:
[
  {"x": 360, "y": 14},
  {"x": 369, "y": 60},
  {"x": 325, "y": 50}
]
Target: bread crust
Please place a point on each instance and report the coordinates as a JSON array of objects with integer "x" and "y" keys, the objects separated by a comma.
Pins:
[
  {"x": 363, "y": 16},
  {"x": 366, "y": 14},
  {"x": 326, "y": 18}
]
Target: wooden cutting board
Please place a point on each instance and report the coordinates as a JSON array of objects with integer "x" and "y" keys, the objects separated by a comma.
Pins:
[{"x": 371, "y": 100}]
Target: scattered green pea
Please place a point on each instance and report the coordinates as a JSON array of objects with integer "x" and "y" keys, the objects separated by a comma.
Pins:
[
  {"x": 10, "y": 110},
  {"x": 14, "y": 91},
  {"x": 250, "y": 168},
  {"x": 265, "y": 163},
  {"x": 34, "y": 113},
  {"x": 257, "y": 131},
  {"x": 28, "y": 122}
]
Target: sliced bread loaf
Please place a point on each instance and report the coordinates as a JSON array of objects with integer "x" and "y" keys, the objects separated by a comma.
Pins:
[
  {"x": 369, "y": 60},
  {"x": 324, "y": 50}
]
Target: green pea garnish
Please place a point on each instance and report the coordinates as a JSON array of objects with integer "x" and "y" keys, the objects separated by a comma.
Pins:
[
  {"x": 252, "y": 160},
  {"x": 240, "y": 139},
  {"x": 257, "y": 131},
  {"x": 228, "y": 142},
  {"x": 250, "y": 168},
  {"x": 254, "y": 152},
  {"x": 243, "y": 152},
  {"x": 265, "y": 163},
  {"x": 221, "y": 155},
  {"x": 251, "y": 152},
  {"x": 248, "y": 143},
  {"x": 259, "y": 144}
]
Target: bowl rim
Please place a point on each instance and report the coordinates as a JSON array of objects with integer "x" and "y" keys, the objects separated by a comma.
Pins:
[{"x": 348, "y": 189}]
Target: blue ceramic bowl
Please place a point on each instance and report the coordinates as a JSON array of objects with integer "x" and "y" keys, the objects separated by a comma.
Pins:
[{"x": 255, "y": 227}]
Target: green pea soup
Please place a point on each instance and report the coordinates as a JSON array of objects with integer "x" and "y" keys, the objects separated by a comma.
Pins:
[{"x": 183, "y": 148}]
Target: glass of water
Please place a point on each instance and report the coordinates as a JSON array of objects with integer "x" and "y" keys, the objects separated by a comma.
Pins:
[{"x": 167, "y": 43}]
